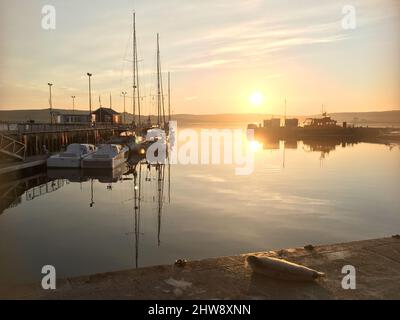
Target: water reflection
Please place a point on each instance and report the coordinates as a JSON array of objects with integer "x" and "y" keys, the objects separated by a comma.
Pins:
[
  {"x": 32, "y": 187},
  {"x": 324, "y": 145},
  {"x": 137, "y": 171},
  {"x": 86, "y": 222},
  {"x": 150, "y": 173},
  {"x": 44, "y": 182}
]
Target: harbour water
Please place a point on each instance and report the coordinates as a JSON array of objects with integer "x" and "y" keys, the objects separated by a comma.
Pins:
[{"x": 298, "y": 194}]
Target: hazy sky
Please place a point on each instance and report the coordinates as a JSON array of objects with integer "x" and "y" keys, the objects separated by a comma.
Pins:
[{"x": 219, "y": 52}]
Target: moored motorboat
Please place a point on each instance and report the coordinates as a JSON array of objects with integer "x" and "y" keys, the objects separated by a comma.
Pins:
[
  {"x": 127, "y": 138},
  {"x": 107, "y": 156},
  {"x": 72, "y": 157}
]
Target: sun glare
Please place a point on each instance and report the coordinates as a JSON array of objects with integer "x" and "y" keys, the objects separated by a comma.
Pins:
[
  {"x": 255, "y": 146},
  {"x": 256, "y": 99}
]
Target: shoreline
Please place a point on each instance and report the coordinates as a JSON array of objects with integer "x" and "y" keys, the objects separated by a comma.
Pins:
[{"x": 377, "y": 263}]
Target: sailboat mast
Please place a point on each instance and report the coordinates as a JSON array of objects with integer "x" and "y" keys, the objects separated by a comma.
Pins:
[
  {"x": 137, "y": 85},
  {"x": 158, "y": 82},
  {"x": 169, "y": 96},
  {"x": 134, "y": 67}
]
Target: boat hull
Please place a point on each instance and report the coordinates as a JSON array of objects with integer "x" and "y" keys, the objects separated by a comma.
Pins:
[
  {"x": 61, "y": 162},
  {"x": 105, "y": 163}
]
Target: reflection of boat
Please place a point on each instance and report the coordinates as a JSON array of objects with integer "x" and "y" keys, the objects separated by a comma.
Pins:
[
  {"x": 322, "y": 144},
  {"x": 106, "y": 176},
  {"x": 107, "y": 156},
  {"x": 72, "y": 157},
  {"x": 73, "y": 175},
  {"x": 81, "y": 175}
]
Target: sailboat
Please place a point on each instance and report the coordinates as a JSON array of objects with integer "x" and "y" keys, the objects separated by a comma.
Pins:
[
  {"x": 148, "y": 131},
  {"x": 158, "y": 131}
]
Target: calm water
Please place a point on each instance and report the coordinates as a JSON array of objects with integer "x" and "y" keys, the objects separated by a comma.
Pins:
[{"x": 295, "y": 196}]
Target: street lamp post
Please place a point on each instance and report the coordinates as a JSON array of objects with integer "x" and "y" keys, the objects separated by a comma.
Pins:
[
  {"x": 50, "y": 103},
  {"x": 73, "y": 104},
  {"x": 90, "y": 97},
  {"x": 124, "y": 93}
]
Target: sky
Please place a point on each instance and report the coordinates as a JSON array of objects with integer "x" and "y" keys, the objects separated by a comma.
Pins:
[{"x": 224, "y": 56}]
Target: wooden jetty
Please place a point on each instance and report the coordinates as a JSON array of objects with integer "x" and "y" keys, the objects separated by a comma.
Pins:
[
  {"x": 29, "y": 144},
  {"x": 28, "y": 139},
  {"x": 27, "y": 163}
]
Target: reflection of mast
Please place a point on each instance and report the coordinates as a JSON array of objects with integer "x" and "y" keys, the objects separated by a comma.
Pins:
[
  {"x": 137, "y": 191},
  {"x": 321, "y": 159},
  {"x": 91, "y": 193},
  {"x": 284, "y": 154},
  {"x": 136, "y": 208},
  {"x": 169, "y": 180},
  {"x": 160, "y": 169}
]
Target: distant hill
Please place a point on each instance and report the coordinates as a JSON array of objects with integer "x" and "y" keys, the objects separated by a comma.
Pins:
[
  {"x": 378, "y": 118},
  {"x": 369, "y": 118}
]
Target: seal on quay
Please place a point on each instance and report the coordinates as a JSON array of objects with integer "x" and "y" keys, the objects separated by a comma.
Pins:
[{"x": 282, "y": 269}]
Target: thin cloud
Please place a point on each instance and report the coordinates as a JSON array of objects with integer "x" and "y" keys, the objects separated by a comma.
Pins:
[
  {"x": 203, "y": 65},
  {"x": 191, "y": 98}
]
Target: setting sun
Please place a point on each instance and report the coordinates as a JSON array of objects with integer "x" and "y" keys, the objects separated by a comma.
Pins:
[{"x": 256, "y": 99}]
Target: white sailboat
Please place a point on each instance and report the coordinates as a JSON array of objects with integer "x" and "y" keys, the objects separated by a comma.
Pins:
[
  {"x": 158, "y": 131},
  {"x": 72, "y": 157}
]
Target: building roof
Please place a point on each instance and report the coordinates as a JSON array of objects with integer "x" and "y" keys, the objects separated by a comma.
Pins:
[
  {"x": 73, "y": 114},
  {"x": 106, "y": 111}
]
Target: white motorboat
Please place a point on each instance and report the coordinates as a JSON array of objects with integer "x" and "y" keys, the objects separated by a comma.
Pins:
[
  {"x": 107, "y": 156},
  {"x": 72, "y": 157}
]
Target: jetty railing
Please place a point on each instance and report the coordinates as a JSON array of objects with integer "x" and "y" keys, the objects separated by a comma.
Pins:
[
  {"x": 12, "y": 147},
  {"x": 45, "y": 188},
  {"x": 23, "y": 128}
]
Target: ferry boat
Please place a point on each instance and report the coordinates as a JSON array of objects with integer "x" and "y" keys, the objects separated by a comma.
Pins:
[
  {"x": 107, "y": 156},
  {"x": 322, "y": 127},
  {"x": 72, "y": 157},
  {"x": 324, "y": 122}
]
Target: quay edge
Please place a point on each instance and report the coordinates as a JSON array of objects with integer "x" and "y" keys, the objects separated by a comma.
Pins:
[{"x": 377, "y": 264}]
